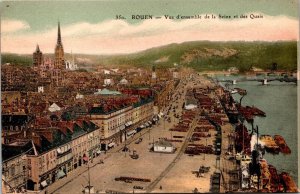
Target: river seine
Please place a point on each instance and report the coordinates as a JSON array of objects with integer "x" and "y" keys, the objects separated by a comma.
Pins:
[{"x": 279, "y": 101}]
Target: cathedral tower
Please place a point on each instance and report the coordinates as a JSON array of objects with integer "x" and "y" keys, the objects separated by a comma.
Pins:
[
  {"x": 59, "y": 51},
  {"x": 37, "y": 57}
]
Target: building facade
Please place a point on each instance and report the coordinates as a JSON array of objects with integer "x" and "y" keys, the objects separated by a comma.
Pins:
[
  {"x": 115, "y": 125},
  {"x": 14, "y": 173}
]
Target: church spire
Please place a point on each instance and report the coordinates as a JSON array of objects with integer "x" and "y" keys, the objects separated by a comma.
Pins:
[
  {"x": 37, "y": 48},
  {"x": 59, "y": 51},
  {"x": 58, "y": 35}
]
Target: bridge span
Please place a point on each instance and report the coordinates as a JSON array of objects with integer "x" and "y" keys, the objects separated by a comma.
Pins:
[{"x": 264, "y": 81}]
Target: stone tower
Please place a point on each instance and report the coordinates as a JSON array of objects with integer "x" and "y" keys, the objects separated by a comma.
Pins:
[
  {"x": 59, "y": 52},
  {"x": 37, "y": 57}
]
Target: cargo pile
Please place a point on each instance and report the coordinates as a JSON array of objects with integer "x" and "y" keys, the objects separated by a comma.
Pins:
[
  {"x": 131, "y": 179},
  {"x": 195, "y": 149},
  {"x": 202, "y": 129},
  {"x": 185, "y": 122},
  {"x": 180, "y": 128}
]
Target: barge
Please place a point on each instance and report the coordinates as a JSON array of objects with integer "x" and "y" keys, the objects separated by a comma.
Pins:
[
  {"x": 269, "y": 144},
  {"x": 284, "y": 148}
]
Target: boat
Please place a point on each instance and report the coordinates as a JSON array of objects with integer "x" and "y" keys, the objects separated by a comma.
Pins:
[
  {"x": 284, "y": 148},
  {"x": 256, "y": 111},
  {"x": 249, "y": 112},
  {"x": 269, "y": 144},
  {"x": 275, "y": 184},
  {"x": 265, "y": 173},
  {"x": 288, "y": 183},
  {"x": 242, "y": 139},
  {"x": 233, "y": 91}
]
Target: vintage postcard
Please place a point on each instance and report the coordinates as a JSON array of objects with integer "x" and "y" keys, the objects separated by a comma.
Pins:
[{"x": 149, "y": 96}]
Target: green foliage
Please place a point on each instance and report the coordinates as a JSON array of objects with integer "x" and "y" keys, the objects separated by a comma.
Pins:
[
  {"x": 259, "y": 54},
  {"x": 15, "y": 59}
]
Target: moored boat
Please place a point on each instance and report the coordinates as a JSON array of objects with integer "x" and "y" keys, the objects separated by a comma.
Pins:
[
  {"x": 284, "y": 148},
  {"x": 275, "y": 184},
  {"x": 269, "y": 144},
  {"x": 288, "y": 183}
]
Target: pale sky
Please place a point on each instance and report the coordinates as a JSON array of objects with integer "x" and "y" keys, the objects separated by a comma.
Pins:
[{"x": 91, "y": 27}]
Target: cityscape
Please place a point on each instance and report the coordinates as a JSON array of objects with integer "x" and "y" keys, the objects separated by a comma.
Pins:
[{"x": 187, "y": 117}]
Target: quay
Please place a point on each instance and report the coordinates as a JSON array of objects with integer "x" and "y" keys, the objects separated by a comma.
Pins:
[{"x": 164, "y": 170}]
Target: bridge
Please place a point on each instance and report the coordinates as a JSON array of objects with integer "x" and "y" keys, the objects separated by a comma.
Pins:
[{"x": 264, "y": 81}]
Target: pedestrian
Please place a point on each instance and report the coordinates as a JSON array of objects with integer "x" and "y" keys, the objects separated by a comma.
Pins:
[{"x": 160, "y": 187}]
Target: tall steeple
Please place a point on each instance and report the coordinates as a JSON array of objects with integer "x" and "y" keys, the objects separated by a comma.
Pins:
[
  {"x": 59, "y": 51},
  {"x": 58, "y": 35},
  {"x": 37, "y": 48}
]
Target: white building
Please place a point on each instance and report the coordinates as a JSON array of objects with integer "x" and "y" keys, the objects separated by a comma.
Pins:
[
  {"x": 190, "y": 106},
  {"x": 115, "y": 70},
  {"x": 164, "y": 146},
  {"x": 40, "y": 89},
  {"x": 124, "y": 81},
  {"x": 106, "y": 72},
  {"x": 154, "y": 75},
  {"x": 175, "y": 75},
  {"x": 79, "y": 96},
  {"x": 71, "y": 65},
  {"x": 108, "y": 82},
  {"x": 54, "y": 107}
]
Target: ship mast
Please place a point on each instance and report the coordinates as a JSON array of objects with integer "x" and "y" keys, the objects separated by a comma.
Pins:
[
  {"x": 257, "y": 152},
  {"x": 243, "y": 138}
]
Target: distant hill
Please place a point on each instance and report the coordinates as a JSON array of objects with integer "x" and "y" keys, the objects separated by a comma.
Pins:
[
  {"x": 25, "y": 60},
  {"x": 200, "y": 55}
]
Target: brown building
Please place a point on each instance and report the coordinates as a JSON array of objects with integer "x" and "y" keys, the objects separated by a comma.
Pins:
[
  {"x": 14, "y": 165},
  {"x": 162, "y": 93},
  {"x": 119, "y": 118}
]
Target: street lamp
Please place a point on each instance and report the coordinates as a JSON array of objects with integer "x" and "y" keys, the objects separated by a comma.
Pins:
[
  {"x": 205, "y": 148},
  {"x": 164, "y": 123},
  {"x": 89, "y": 181}
]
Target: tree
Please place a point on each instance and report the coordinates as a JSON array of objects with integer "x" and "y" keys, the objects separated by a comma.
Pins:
[{"x": 274, "y": 67}]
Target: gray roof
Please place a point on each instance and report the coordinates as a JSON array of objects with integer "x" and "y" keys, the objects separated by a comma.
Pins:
[
  {"x": 163, "y": 143},
  {"x": 107, "y": 92}
]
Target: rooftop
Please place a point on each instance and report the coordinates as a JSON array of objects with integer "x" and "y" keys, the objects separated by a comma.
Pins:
[
  {"x": 163, "y": 143},
  {"x": 107, "y": 92}
]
